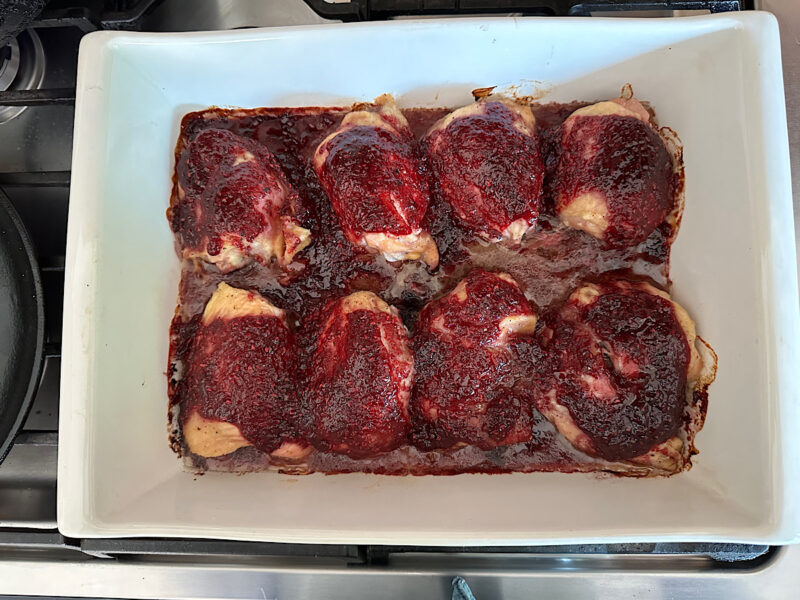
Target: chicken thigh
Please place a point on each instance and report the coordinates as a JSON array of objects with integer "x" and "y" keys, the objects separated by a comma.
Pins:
[
  {"x": 359, "y": 378},
  {"x": 468, "y": 388},
  {"x": 614, "y": 178},
  {"x": 234, "y": 203},
  {"x": 486, "y": 160},
  {"x": 240, "y": 378},
  {"x": 619, "y": 358},
  {"x": 371, "y": 169}
]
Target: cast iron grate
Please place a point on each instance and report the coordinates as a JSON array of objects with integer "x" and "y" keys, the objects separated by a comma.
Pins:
[{"x": 370, "y": 10}]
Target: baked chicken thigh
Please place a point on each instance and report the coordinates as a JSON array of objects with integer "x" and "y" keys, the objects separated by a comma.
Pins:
[
  {"x": 614, "y": 178},
  {"x": 359, "y": 378},
  {"x": 240, "y": 378},
  {"x": 486, "y": 160},
  {"x": 468, "y": 388},
  {"x": 371, "y": 169},
  {"x": 619, "y": 356},
  {"x": 234, "y": 204}
]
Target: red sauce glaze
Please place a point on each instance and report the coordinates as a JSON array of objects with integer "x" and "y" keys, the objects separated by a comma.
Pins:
[
  {"x": 549, "y": 264},
  {"x": 368, "y": 170},
  {"x": 243, "y": 371},
  {"x": 641, "y": 332},
  {"x": 332, "y": 266},
  {"x": 357, "y": 381},
  {"x": 220, "y": 197},
  {"x": 489, "y": 171},
  {"x": 471, "y": 387},
  {"x": 624, "y": 160}
]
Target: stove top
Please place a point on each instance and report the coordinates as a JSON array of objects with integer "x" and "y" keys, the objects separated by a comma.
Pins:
[
  {"x": 365, "y": 10},
  {"x": 37, "y": 80}
]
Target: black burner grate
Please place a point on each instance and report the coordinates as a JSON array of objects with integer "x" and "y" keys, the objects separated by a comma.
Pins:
[{"x": 370, "y": 10}]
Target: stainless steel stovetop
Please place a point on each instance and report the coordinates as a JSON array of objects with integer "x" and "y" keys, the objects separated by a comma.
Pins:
[{"x": 35, "y": 154}]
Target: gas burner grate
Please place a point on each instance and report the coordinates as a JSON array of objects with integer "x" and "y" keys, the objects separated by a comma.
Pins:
[
  {"x": 22, "y": 66},
  {"x": 371, "y": 10},
  {"x": 90, "y": 16}
]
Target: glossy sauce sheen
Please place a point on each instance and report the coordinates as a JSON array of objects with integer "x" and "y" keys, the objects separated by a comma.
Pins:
[{"x": 549, "y": 264}]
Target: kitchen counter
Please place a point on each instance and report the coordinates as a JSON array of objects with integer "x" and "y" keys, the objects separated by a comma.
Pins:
[{"x": 788, "y": 14}]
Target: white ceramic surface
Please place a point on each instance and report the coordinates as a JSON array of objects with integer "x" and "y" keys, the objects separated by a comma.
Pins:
[{"x": 715, "y": 80}]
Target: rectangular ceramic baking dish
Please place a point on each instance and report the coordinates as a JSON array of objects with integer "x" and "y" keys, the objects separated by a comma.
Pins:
[{"x": 716, "y": 80}]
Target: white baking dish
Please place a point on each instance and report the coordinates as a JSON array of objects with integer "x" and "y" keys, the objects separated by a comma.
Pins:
[{"x": 715, "y": 80}]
